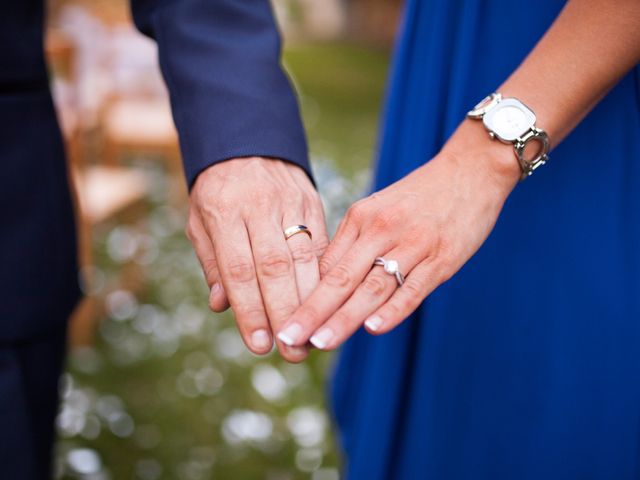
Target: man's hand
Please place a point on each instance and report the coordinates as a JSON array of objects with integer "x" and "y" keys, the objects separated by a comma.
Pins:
[{"x": 238, "y": 212}]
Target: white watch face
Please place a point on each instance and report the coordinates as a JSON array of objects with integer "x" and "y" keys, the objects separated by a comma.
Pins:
[{"x": 509, "y": 119}]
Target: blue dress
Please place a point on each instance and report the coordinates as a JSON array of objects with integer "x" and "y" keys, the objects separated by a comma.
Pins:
[{"x": 526, "y": 364}]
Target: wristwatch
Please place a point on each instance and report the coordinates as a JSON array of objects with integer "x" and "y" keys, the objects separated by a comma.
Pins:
[{"x": 511, "y": 121}]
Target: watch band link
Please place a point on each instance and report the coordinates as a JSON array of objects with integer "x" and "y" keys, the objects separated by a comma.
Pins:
[
  {"x": 529, "y": 165},
  {"x": 533, "y": 134}
]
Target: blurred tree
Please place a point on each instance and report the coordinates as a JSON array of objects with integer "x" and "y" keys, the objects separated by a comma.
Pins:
[
  {"x": 374, "y": 21},
  {"x": 365, "y": 21}
]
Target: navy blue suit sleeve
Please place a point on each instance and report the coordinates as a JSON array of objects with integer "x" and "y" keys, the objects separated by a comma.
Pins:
[{"x": 229, "y": 94}]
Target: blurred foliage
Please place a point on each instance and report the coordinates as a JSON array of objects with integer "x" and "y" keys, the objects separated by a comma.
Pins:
[
  {"x": 169, "y": 391},
  {"x": 340, "y": 88}
]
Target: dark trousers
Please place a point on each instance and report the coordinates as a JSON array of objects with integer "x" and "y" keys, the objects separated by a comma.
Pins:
[{"x": 29, "y": 372}]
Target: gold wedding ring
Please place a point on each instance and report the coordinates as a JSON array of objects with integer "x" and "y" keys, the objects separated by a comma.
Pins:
[{"x": 296, "y": 229}]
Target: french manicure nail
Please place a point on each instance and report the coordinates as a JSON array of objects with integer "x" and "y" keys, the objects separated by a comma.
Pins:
[
  {"x": 291, "y": 334},
  {"x": 260, "y": 339},
  {"x": 373, "y": 323},
  {"x": 322, "y": 338}
]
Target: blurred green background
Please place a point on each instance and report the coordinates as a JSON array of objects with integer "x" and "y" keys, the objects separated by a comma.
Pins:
[{"x": 167, "y": 390}]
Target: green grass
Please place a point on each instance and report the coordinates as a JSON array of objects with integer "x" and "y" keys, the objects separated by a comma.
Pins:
[{"x": 340, "y": 87}]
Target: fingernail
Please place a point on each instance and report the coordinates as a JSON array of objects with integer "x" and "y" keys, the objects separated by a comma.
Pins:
[
  {"x": 215, "y": 288},
  {"x": 291, "y": 334},
  {"x": 373, "y": 323},
  {"x": 296, "y": 350},
  {"x": 322, "y": 337},
  {"x": 260, "y": 339}
]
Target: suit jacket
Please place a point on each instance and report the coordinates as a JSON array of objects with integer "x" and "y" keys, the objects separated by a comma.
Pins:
[{"x": 229, "y": 96}]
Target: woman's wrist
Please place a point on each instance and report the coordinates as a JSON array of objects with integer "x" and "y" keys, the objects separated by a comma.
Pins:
[{"x": 471, "y": 146}]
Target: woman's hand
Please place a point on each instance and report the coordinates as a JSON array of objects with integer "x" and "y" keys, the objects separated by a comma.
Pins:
[
  {"x": 431, "y": 222},
  {"x": 238, "y": 212}
]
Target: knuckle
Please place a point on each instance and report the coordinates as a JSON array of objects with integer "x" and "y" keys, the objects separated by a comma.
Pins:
[
  {"x": 405, "y": 307},
  {"x": 274, "y": 264},
  {"x": 321, "y": 243},
  {"x": 241, "y": 270},
  {"x": 302, "y": 253},
  {"x": 393, "y": 310},
  {"x": 339, "y": 277},
  {"x": 282, "y": 311},
  {"x": 414, "y": 288},
  {"x": 408, "y": 301},
  {"x": 210, "y": 269},
  {"x": 324, "y": 265},
  {"x": 375, "y": 285},
  {"x": 248, "y": 311},
  {"x": 356, "y": 213},
  {"x": 382, "y": 220}
]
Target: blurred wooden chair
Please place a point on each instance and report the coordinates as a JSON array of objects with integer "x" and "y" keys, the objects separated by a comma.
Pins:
[
  {"x": 135, "y": 120},
  {"x": 142, "y": 127},
  {"x": 103, "y": 194}
]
